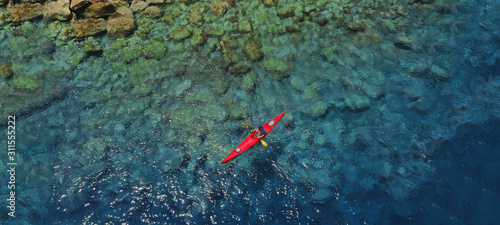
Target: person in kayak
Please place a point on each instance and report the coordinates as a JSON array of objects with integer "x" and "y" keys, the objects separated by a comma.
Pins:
[{"x": 259, "y": 131}]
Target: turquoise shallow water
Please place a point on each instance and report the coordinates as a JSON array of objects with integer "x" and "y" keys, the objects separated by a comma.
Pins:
[{"x": 392, "y": 116}]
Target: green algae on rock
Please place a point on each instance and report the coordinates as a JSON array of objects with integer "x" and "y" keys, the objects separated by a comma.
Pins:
[
  {"x": 92, "y": 49},
  {"x": 154, "y": 49},
  {"x": 312, "y": 91},
  {"x": 235, "y": 109},
  {"x": 196, "y": 18},
  {"x": 357, "y": 103},
  {"x": 26, "y": 83},
  {"x": 318, "y": 109},
  {"x": 199, "y": 38},
  {"x": 182, "y": 87},
  {"x": 241, "y": 67},
  {"x": 142, "y": 70},
  {"x": 180, "y": 33},
  {"x": 248, "y": 83},
  {"x": 245, "y": 26},
  {"x": 218, "y": 9},
  {"x": 270, "y": 3},
  {"x": 279, "y": 69},
  {"x": 285, "y": 13}
]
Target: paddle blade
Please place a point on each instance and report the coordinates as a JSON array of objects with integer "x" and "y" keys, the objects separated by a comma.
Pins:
[
  {"x": 263, "y": 143},
  {"x": 245, "y": 124}
]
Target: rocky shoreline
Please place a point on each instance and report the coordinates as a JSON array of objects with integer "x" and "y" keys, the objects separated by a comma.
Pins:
[{"x": 246, "y": 34}]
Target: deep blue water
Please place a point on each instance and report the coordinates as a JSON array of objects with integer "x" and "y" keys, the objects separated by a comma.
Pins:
[{"x": 392, "y": 117}]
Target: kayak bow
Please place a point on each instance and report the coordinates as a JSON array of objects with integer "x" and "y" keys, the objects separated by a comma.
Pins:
[{"x": 252, "y": 139}]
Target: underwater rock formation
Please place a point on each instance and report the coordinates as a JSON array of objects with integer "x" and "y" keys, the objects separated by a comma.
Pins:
[{"x": 6, "y": 70}]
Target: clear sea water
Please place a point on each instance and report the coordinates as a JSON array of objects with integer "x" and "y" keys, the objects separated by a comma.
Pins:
[{"x": 392, "y": 117}]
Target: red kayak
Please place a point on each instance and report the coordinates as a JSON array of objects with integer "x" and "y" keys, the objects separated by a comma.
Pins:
[{"x": 252, "y": 139}]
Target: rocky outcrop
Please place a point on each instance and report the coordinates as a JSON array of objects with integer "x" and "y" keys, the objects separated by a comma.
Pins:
[
  {"x": 77, "y": 4},
  {"x": 121, "y": 23},
  {"x": 99, "y": 10},
  {"x": 59, "y": 10},
  {"x": 138, "y": 5},
  {"x": 152, "y": 11},
  {"x": 25, "y": 11}
]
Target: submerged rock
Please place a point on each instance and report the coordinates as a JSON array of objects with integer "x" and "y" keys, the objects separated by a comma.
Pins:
[
  {"x": 269, "y": 3},
  {"x": 240, "y": 67},
  {"x": 279, "y": 68},
  {"x": 253, "y": 51},
  {"x": 227, "y": 52},
  {"x": 26, "y": 83},
  {"x": 218, "y": 9},
  {"x": 89, "y": 27},
  {"x": 6, "y": 70},
  {"x": 357, "y": 103},
  {"x": 312, "y": 91},
  {"x": 182, "y": 87},
  {"x": 58, "y": 10},
  {"x": 25, "y": 11},
  {"x": 245, "y": 26},
  {"x": 195, "y": 18},
  {"x": 439, "y": 73},
  {"x": 404, "y": 42},
  {"x": 199, "y": 38},
  {"x": 92, "y": 48},
  {"x": 248, "y": 83},
  {"x": 285, "y": 13},
  {"x": 211, "y": 32},
  {"x": 318, "y": 109},
  {"x": 292, "y": 28},
  {"x": 322, "y": 195}
]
